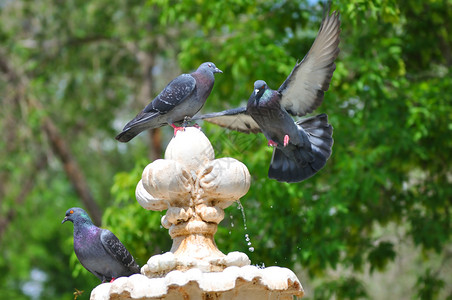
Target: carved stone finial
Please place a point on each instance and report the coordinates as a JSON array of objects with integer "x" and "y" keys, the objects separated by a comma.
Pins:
[{"x": 194, "y": 188}]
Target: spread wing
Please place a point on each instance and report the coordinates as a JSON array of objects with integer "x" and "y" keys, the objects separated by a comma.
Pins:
[
  {"x": 234, "y": 119},
  {"x": 116, "y": 249},
  {"x": 303, "y": 90}
]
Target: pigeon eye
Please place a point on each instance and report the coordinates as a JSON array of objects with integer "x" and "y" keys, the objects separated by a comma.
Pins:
[{"x": 71, "y": 212}]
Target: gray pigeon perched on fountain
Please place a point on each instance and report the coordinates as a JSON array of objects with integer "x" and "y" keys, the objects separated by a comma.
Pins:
[
  {"x": 99, "y": 250},
  {"x": 302, "y": 147},
  {"x": 180, "y": 100}
]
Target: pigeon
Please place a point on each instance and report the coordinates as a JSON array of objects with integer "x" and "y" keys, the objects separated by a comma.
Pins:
[
  {"x": 301, "y": 148},
  {"x": 99, "y": 250},
  {"x": 180, "y": 100}
]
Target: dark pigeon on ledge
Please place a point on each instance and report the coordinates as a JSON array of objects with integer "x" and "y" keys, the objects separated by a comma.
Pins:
[
  {"x": 180, "y": 100},
  {"x": 99, "y": 250},
  {"x": 301, "y": 148}
]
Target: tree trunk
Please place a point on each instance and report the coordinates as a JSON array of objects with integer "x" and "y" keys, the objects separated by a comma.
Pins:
[
  {"x": 72, "y": 169},
  {"x": 147, "y": 62}
]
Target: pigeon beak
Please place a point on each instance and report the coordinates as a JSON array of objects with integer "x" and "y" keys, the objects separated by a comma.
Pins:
[
  {"x": 256, "y": 91},
  {"x": 64, "y": 220},
  {"x": 218, "y": 70}
]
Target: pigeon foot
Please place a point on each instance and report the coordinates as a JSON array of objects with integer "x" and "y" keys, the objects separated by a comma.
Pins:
[
  {"x": 197, "y": 126},
  {"x": 286, "y": 140},
  {"x": 176, "y": 129},
  {"x": 113, "y": 279},
  {"x": 272, "y": 143},
  {"x": 187, "y": 120}
]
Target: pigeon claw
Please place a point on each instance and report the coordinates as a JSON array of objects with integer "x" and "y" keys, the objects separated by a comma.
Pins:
[
  {"x": 286, "y": 140},
  {"x": 197, "y": 126},
  {"x": 176, "y": 129},
  {"x": 272, "y": 143},
  {"x": 187, "y": 120},
  {"x": 113, "y": 279}
]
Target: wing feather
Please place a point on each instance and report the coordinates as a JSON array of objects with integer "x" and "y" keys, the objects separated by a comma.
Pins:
[
  {"x": 235, "y": 119},
  {"x": 172, "y": 95},
  {"x": 302, "y": 92},
  {"x": 116, "y": 249}
]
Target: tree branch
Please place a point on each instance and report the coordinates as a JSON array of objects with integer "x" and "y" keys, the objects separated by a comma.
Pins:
[
  {"x": 147, "y": 62},
  {"x": 72, "y": 169}
]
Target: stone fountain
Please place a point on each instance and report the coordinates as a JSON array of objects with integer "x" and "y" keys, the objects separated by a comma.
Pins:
[{"x": 195, "y": 188}]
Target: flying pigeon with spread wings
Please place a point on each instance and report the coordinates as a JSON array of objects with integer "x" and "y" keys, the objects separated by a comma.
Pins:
[{"x": 301, "y": 148}]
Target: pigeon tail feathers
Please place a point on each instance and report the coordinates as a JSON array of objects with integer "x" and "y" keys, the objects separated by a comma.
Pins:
[
  {"x": 130, "y": 133},
  {"x": 294, "y": 169},
  {"x": 320, "y": 134},
  {"x": 283, "y": 168}
]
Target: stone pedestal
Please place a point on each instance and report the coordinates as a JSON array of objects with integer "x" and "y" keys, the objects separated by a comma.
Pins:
[{"x": 195, "y": 188}]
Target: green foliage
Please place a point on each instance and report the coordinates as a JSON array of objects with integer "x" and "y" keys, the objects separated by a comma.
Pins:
[
  {"x": 82, "y": 64},
  {"x": 429, "y": 285},
  {"x": 343, "y": 288},
  {"x": 380, "y": 255}
]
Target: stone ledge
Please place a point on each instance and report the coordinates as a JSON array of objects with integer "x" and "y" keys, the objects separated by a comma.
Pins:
[
  {"x": 249, "y": 282},
  {"x": 161, "y": 264}
]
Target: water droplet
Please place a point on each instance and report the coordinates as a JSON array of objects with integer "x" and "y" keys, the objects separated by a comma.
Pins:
[
  {"x": 247, "y": 237},
  {"x": 271, "y": 206},
  {"x": 240, "y": 206},
  {"x": 232, "y": 224}
]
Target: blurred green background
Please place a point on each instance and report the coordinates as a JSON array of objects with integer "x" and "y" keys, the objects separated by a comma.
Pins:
[{"x": 375, "y": 223}]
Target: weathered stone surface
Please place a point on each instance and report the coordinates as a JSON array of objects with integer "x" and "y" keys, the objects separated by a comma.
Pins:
[
  {"x": 195, "y": 188},
  {"x": 249, "y": 282}
]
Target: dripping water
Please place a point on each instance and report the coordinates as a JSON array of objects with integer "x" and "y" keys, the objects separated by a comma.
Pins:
[
  {"x": 247, "y": 237},
  {"x": 232, "y": 224},
  {"x": 240, "y": 206}
]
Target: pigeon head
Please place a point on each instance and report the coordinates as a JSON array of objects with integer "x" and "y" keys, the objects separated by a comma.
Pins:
[
  {"x": 260, "y": 87},
  {"x": 209, "y": 66},
  {"x": 76, "y": 214}
]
